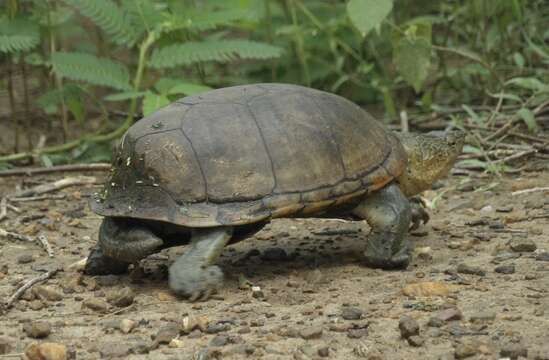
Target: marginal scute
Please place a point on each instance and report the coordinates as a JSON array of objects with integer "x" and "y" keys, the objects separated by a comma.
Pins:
[{"x": 248, "y": 153}]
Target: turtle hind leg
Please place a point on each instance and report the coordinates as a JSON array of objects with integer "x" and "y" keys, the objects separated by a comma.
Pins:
[
  {"x": 194, "y": 274},
  {"x": 100, "y": 264},
  {"x": 388, "y": 212}
]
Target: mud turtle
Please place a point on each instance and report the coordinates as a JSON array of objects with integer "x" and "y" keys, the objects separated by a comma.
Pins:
[{"x": 214, "y": 168}]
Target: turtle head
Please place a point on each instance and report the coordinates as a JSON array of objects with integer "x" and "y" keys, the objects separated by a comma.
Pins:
[{"x": 430, "y": 157}]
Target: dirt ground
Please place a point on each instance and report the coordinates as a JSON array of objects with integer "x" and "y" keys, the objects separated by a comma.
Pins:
[{"x": 296, "y": 290}]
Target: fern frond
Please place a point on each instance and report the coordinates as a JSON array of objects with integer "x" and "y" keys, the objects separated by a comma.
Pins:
[
  {"x": 145, "y": 15},
  {"x": 109, "y": 17},
  {"x": 215, "y": 50},
  {"x": 18, "y": 35},
  {"x": 91, "y": 69},
  {"x": 209, "y": 20}
]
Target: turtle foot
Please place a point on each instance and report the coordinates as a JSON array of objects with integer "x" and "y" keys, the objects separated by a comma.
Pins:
[
  {"x": 380, "y": 252},
  {"x": 419, "y": 214},
  {"x": 195, "y": 283},
  {"x": 100, "y": 264}
]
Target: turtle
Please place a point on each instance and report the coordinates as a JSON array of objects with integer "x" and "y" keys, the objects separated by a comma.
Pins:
[{"x": 214, "y": 168}]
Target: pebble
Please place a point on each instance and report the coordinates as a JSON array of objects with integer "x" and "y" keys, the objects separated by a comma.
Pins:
[
  {"x": 5, "y": 345},
  {"x": 257, "y": 293},
  {"x": 312, "y": 332},
  {"x": 470, "y": 270},
  {"x": 485, "y": 316},
  {"x": 435, "y": 322},
  {"x": 219, "y": 340},
  {"x": 165, "y": 335},
  {"x": 176, "y": 343},
  {"x": 324, "y": 351},
  {"x": 408, "y": 327},
  {"x": 449, "y": 314},
  {"x": 114, "y": 349},
  {"x": 513, "y": 351},
  {"x": 121, "y": 298},
  {"x": 542, "y": 256},
  {"x": 25, "y": 259},
  {"x": 191, "y": 323},
  {"x": 465, "y": 350},
  {"x": 37, "y": 329},
  {"x": 96, "y": 304},
  {"x": 217, "y": 327},
  {"x": 522, "y": 245},
  {"x": 46, "y": 351},
  {"x": 505, "y": 269},
  {"x": 127, "y": 325},
  {"x": 416, "y": 341},
  {"x": 47, "y": 293},
  {"x": 427, "y": 288},
  {"x": 504, "y": 256},
  {"x": 351, "y": 313}
]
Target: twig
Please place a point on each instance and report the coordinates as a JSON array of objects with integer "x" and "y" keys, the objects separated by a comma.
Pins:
[
  {"x": 39, "y": 197},
  {"x": 45, "y": 276},
  {"x": 3, "y": 208},
  {"x": 528, "y": 191},
  {"x": 57, "y": 168},
  {"x": 20, "y": 355},
  {"x": 56, "y": 185},
  {"x": 15, "y": 236},
  {"x": 515, "y": 156},
  {"x": 43, "y": 240}
]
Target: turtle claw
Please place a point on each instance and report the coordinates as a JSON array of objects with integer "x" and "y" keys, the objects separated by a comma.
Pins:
[{"x": 419, "y": 214}]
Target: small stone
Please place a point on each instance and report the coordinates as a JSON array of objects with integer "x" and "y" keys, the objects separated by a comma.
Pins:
[
  {"x": 465, "y": 350},
  {"x": 522, "y": 245},
  {"x": 176, "y": 343},
  {"x": 481, "y": 317},
  {"x": 36, "y": 305},
  {"x": 244, "y": 330},
  {"x": 470, "y": 270},
  {"x": 357, "y": 333},
  {"x": 416, "y": 341},
  {"x": 257, "y": 322},
  {"x": 542, "y": 256},
  {"x": 121, "y": 298},
  {"x": 96, "y": 304},
  {"x": 505, "y": 269},
  {"x": 25, "y": 259},
  {"x": 504, "y": 256},
  {"x": 324, "y": 351},
  {"x": 408, "y": 327},
  {"x": 257, "y": 293},
  {"x": 312, "y": 332},
  {"x": 165, "y": 335},
  {"x": 47, "y": 293},
  {"x": 5, "y": 345},
  {"x": 424, "y": 253},
  {"x": 217, "y": 327},
  {"x": 127, "y": 325},
  {"x": 46, "y": 351},
  {"x": 219, "y": 340},
  {"x": 37, "y": 329},
  {"x": 449, "y": 314},
  {"x": 513, "y": 351},
  {"x": 191, "y": 323},
  {"x": 351, "y": 313},
  {"x": 435, "y": 322},
  {"x": 114, "y": 349},
  {"x": 166, "y": 296}
]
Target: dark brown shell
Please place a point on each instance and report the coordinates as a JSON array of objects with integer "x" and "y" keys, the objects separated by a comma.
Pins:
[{"x": 242, "y": 154}]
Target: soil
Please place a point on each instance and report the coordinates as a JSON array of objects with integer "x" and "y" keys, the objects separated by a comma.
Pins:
[{"x": 297, "y": 289}]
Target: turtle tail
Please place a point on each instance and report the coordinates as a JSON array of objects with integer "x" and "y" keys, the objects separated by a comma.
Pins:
[{"x": 123, "y": 240}]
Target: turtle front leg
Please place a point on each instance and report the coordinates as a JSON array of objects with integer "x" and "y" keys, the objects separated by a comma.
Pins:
[
  {"x": 194, "y": 274},
  {"x": 419, "y": 214},
  {"x": 388, "y": 212},
  {"x": 120, "y": 243}
]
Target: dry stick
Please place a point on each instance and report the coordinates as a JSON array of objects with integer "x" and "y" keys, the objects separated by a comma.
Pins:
[
  {"x": 38, "y": 198},
  {"x": 15, "y": 236},
  {"x": 56, "y": 185},
  {"x": 3, "y": 208},
  {"x": 505, "y": 128},
  {"x": 45, "y": 276},
  {"x": 515, "y": 156},
  {"x": 531, "y": 190},
  {"x": 43, "y": 240},
  {"x": 57, "y": 168}
]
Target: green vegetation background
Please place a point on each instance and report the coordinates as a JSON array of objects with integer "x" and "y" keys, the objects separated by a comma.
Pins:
[{"x": 100, "y": 64}]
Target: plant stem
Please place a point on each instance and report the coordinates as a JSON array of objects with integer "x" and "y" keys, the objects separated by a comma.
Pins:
[{"x": 299, "y": 44}]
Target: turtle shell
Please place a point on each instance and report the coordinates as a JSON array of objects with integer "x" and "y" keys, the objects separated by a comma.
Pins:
[{"x": 243, "y": 154}]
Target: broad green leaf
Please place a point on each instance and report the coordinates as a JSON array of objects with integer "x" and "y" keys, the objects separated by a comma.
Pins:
[
  {"x": 413, "y": 60},
  {"x": 506, "y": 96},
  {"x": 153, "y": 102},
  {"x": 188, "y": 89},
  {"x": 529, "y": 118},
  {"x": 128, "y": 95},
  {"x": 471, "y": 164},
  {"x": 367, "y": 14},
  {"x": 529, "y": 83}
]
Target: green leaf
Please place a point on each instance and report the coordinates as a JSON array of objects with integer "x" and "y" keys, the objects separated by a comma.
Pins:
[
  {"x": 367, "y": 14},
  {"x": 109, "y": 17},
  {"x": 153, "y": 102},
  {"x": 91, "y": 69},
  {"x": 127, "y": 95},
  {"x": 505, "y": 96},
  {"x": 413, "y": 60},
  {"x": 209, "y": 20},
  {"x": 188, "y": 89},
  {"x": 214, "y": 50},
  {"x": 529, "y": 118},
  {"x": 528, "y": 83},
  {"x": 18, "y": 35}
]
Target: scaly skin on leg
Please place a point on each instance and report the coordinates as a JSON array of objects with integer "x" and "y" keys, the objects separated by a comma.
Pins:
[
  {"x": 388, "y": 212},
  {"x": 194, "y": 274},
  {"x": 119, "y": 245}
]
